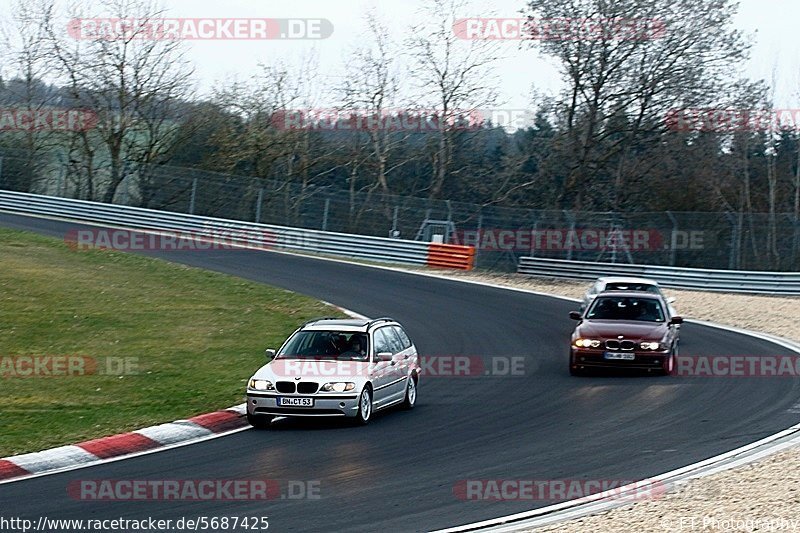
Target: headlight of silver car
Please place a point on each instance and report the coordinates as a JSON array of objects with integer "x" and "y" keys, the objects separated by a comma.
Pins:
[
  {"x": 261, "y": 384},
  {"x": 339, "y": 386}
]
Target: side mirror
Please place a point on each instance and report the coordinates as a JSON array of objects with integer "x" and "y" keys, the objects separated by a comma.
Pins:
[
  {"x": 270, "y": 354},
  {"x": 384, "y": 356},
  {"x": 676, "y": 320},
  {"x": 575, "y": 315},
  {"x": 671, "y": 300}
]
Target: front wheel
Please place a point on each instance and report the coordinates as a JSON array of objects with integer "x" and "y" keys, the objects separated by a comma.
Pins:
[
  {"x": 259, "y": 421},
  {"x": 411, "y": 393},
  {"x": 364, "y": 407},
  {"x": 668, "y": 366},
  {"x": 574, "y": 370}
]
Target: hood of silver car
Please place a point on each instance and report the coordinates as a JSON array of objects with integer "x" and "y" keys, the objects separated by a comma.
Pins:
[{"x": 320, "y": 371}]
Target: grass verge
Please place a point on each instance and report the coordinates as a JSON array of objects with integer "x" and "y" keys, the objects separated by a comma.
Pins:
[{"x": 190, "y": 337}]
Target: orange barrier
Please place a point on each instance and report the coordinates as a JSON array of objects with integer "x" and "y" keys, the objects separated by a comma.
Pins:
[{"x": 451, "y": 256}]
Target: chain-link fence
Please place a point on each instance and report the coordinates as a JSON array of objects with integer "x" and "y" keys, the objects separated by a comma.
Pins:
[{"x": 502, "y": 235}]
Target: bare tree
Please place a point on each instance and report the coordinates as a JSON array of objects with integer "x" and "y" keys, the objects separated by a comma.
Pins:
[
  {"x": 132, "y": 81},
  {"x": 627, "y": 63},
  {"x": 454, "y": 77},
  {"x": 26, "y": 52},
  {"x": 370, "y": 96},
  {"x": 371, "y": 88},
  {"x": 274, "y": 139}
]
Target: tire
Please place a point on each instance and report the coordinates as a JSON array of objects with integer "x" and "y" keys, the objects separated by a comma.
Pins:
[
  {"x": 573, "y": 371},
  {"x": 364, "y": 414},
  {"x": 411, "y": 394},
  {"x": 259, "y": 421},
  {"x": 668, "y": 367},
  {"x": 576, "y": 371}
]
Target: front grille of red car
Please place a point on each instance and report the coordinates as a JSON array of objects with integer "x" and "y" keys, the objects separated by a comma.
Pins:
[{"x": 620, "y": 345}]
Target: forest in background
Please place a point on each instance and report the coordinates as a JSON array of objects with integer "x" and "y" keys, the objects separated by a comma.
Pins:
[{"x": 607, "y": 142}]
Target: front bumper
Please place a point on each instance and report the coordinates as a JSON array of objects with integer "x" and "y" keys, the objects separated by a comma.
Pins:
[
  {"x": 596, "y": 359},
  {"x": 324, "y": 405}
]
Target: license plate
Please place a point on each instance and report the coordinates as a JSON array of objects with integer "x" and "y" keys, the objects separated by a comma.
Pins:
[
  {"x": 619, "y": 356},
  {"x": 295, "y": 402}
]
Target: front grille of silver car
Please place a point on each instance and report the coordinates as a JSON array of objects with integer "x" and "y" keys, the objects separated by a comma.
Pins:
[
  {"x": 286, "y": 387},
  {"x": 307, "y": 387}
]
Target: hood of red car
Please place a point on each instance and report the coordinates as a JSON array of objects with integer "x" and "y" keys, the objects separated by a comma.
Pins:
[{"x": 630, "y": 329}]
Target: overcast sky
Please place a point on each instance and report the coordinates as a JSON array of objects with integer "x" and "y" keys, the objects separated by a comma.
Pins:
[{"x": 776, "y": 22}]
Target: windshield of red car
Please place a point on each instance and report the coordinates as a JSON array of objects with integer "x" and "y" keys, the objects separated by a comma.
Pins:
[{"x": 626, "y": 308}]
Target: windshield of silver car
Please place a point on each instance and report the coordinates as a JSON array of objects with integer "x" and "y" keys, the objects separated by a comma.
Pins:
[{"x": 327, "y": 345}]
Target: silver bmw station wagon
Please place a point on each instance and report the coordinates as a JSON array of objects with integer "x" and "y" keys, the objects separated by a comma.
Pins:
[{"x": 336, "y": 367}]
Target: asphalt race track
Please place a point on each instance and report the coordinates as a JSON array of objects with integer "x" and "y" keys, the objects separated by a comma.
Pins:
[{"x": 398, "y": 473}]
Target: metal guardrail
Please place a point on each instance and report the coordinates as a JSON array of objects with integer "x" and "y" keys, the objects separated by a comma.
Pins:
[
  {"x": 749, "y": 282},
  {"x": 240, "y": 233}
]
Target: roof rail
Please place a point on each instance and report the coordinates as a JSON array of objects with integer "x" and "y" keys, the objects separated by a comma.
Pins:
[
  {"x": 382, "y": 319},
  {"x": 320, "y": 318}
]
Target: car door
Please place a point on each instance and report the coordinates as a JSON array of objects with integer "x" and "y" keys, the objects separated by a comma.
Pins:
[
  {"x": 407, "y": 353},
  {"x": 383, "y": 372},
  {"x": 403, "y": 357}
]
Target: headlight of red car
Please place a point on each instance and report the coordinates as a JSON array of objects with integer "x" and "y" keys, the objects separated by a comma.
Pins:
[
  {"x": 587, "y": 343},
  {"x": 654, "y": 346}
]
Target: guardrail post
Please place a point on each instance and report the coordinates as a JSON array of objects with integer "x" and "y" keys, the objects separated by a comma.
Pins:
[
  {"x": 194, "y": 196},
  {"x": 736, "y": 236},
  {"x": 447, "y": 235},
  {"x": 571, "y": 219},
  {"x": 258, "y": 204},
  {"x": 125, "y": 193},
  {"x": 395, "y": 233},
  {"x": 60, "y": 184},
  {"x": 795, "y": 243},
  {"x": 478, "y": 239},
  {"x": 325, "y": 214},
  {"x": 673, "y": 238}
]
